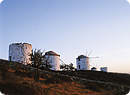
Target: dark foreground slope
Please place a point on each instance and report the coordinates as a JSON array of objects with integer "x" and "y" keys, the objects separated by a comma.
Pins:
[
  {"x": 107, "y": 77},
  {"x": 17, "y": 79}
]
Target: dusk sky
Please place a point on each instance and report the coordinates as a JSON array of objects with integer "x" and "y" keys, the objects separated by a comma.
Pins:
[{"x": 70, "y": 27}]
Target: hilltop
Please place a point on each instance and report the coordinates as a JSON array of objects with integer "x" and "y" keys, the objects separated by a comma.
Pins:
[{"x": 18, "y": 79}]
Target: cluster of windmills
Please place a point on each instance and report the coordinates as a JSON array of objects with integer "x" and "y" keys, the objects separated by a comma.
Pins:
[{"x": 19, "y": 52}]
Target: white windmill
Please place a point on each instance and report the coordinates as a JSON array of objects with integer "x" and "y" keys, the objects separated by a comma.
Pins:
[{"x": 82, "y": 61}]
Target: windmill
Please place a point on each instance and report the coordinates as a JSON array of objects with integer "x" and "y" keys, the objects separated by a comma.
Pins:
[{"x": 90, "y": 57}]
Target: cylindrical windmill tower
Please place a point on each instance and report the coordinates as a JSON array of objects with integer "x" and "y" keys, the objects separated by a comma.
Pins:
[
  {"x": 82, "y": 63},
  {"x": 53, "y": 59},
  {"x": 20, "y": 52}
]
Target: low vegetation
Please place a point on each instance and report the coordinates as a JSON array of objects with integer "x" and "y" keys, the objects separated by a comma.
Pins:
[{"x": 18, "y": 79}]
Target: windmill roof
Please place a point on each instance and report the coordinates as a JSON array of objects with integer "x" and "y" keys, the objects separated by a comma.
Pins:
[
  {"x": 19, "y": 43},
  {"x": 94, "y": 68},
  {"x": 51, "y": 53},
  {"x": 81, "y": 56}
]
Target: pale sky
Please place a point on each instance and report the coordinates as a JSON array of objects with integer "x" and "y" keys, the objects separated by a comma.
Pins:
[{"x": 69, "y": 27}]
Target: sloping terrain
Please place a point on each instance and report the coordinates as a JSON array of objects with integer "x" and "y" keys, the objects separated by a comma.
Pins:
[
  {"x": 18, "y": 79},
  {"x": 117, "y": 78}
]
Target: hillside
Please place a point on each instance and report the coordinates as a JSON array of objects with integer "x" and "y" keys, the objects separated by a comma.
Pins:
[{"x": 18, "y": 79}]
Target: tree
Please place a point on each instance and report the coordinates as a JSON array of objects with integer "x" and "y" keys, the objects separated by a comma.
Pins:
[
  {"x": 38, "y": 60},
  {"x": 46, "y": 63},
  {"x": 71, "y": 67},
  {"x": 66, "y": 67}
]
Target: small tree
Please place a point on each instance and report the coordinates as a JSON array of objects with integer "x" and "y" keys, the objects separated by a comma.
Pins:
[
  {"x": 66, "y": 67},
  {"x": 46, "y": 63},
  {"x": 71, "y": 67},
  {"x": 39, "y": 61},
  {"x": 36, "y": 58}
]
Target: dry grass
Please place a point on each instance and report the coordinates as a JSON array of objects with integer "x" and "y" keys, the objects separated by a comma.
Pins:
[{"x": 20, "y": 81}]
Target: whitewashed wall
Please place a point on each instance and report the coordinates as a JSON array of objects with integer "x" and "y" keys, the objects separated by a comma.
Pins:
[
  {"x": 84, "y": 64},
  {"x": 20, "y": 52},
  {"x": 54, "y": 62},
  {"x": 128, "y": 93},
  {"x": 1, "y": 93}
]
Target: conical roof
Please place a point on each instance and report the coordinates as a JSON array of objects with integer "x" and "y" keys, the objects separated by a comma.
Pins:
[
  {"x": 51, "y": 53},
  {"x": 81, "y": 56}
]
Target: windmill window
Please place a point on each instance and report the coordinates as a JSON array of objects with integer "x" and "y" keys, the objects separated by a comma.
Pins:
[{"x": 10, "y": 58}]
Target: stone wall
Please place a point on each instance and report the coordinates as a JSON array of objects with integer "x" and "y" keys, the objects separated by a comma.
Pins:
[
  {"x": 54, "y": 61},
  {"x": 20, "y": 52}
]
